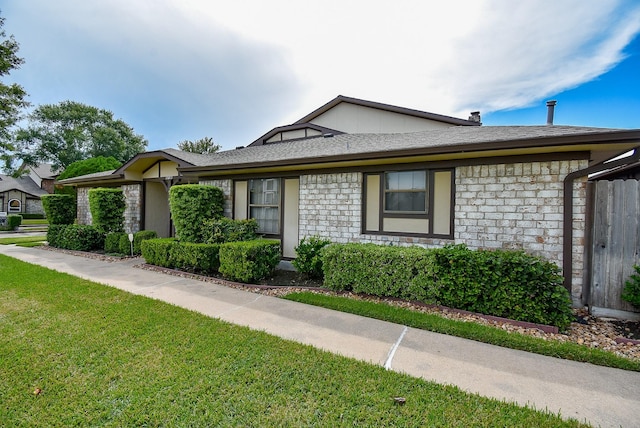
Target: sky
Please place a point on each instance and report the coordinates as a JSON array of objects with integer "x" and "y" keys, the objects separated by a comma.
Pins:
[{"x": 232, "y": 70}]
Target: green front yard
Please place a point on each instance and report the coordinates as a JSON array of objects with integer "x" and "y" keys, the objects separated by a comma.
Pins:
[{"x": 73, "y": 352}]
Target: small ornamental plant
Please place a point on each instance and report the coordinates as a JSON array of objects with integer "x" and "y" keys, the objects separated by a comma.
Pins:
[{"x": 631, "y": 292}]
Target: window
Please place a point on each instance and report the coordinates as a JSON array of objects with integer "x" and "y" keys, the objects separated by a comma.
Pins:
[
  {"x": 264, "y": 204},
  {"x": 405, "y": 192},
  {"x": 409, "y": 203},
  {"x": 15, "y": 206}
]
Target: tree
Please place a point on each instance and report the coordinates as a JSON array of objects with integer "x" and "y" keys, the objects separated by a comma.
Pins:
[
  {"x": 89, "y": 166},
  {"x": 69, "y": 131},
  {"x": 204, "y": 146},
  {"x": 12, "y": 96}
]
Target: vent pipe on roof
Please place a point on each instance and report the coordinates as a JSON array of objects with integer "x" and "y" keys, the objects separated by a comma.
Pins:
[{"x": 551, "y": 105}]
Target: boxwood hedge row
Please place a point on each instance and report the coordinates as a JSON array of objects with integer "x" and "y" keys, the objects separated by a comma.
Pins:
[{"x": 510, "y": 284}]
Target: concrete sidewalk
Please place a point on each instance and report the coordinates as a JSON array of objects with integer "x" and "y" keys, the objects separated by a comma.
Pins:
[{"x": 601, "y": 396}]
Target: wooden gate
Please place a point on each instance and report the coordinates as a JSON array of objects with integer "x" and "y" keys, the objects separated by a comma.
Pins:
[{"x": 616, "y": 243}]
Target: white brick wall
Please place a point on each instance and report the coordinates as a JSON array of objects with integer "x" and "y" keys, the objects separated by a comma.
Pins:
[
  {"x": 83, "y": 212},
  {"x": 520, "y": 206},
  {"x": 509, "y": 206}
]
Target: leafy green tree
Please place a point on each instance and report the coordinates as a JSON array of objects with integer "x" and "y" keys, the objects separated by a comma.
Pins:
[
  {"x": 90, "y": 166},
  {"x": 12, "y": 96},
  {"x": 204, "y": 146},
  {"x": 69, "y": 131}
]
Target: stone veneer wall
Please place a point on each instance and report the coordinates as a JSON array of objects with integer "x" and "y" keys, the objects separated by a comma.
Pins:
[
  {"x": 520, "y": 206},
  {"x": 34, "y": 206},
  {"x": 225, "y": 185},
  {"x": 510, "y": 206},
  {"x": 83, "y": 212},
  {"x": 133, "y": 209}
]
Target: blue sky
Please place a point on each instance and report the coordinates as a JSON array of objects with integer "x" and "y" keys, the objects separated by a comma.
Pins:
[{"x": 186, "y": 69}]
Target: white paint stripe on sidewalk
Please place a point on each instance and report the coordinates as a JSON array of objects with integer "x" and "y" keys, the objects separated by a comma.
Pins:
[{"x": 394, "y": 348}]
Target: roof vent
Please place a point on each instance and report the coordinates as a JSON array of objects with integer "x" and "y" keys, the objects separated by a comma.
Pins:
[
  {"x": 327, "y": 135},
  {"x": 239, "y": 147},
  {"x": 475, "y": 116},
  {"x": 551, "y": 105}
]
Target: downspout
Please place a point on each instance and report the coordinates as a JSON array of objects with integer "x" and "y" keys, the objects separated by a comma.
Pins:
[{"x": 567, "y": 215}]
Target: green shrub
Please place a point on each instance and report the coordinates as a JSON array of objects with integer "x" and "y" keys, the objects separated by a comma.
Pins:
[
  {"x": 14, "y": 221},
  {"x": 32, "y": 216},
  {"x": 75, "y": 237},
  {"x": 112, "y": 242},
  {"x": 308, "y": 256},
  {"x": 107, "y": 207},
  {"x": 170, "y": 253},
  {"x": 202, "y": 258},
  {"x": 59, "y": 209},
  {"x": 249, "y": 261},
  {"x": 510, "y": 284},
  {"x": 192, "y": 205},
  {"x": 405, "y": 272},
  {"x": 89, "y": 166},
  {"x": 158, "y": 251},
  {"x": 223, "y": 229},
  {"x": 631, "y": 292},
  {"x": 140, "y": 236}
]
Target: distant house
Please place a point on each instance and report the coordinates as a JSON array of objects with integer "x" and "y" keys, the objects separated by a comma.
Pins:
[
  {"x": 43, "y": 175},
  {"x": 20, "y": 195},
  {"x": 360, "y": 171}
]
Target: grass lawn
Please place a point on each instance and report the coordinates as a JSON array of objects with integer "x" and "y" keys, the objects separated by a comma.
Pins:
[
  {"x": 33, "y": 221},
  {"x": 468, "y": 330},
  {"x": 73, "y": 352},
  {"x": 27, "y": 241}
]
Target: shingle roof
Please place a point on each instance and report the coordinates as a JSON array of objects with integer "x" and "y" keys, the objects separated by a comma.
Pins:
[
  {"x": 45, "y": 170},
  {"x": 24, "y": 184},
  {"x": 192, "y": 158},
  {"x": 443, "y": 140}
]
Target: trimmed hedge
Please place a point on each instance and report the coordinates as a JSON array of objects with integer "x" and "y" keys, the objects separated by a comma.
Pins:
[
  {"x": 170, "y": 253},
  {"x": 510, "y": 284},
  {"x": 32, "y": 216},
  {"x": 196, "y": 257},
  {"x": 158, "y": 251},
  {"x": 223, "y": 229},
  {"x": 191, "y": 205},
  {"x": 75, "y": 237},
  {"x": 107, "y": 207},
  {"x": 249, "y": 261},
  {"x": 118, "y": 242},
  {"x": 13, "y": 222},
  {"x": 112, "y": 242},
  {"x": 59, "y": 209}
]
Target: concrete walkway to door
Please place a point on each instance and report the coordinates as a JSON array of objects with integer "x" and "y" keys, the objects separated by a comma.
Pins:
[{"x": 602, "y": 396}]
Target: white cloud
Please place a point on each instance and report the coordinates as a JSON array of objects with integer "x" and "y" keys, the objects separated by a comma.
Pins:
[{"x": 183, "y": 69}]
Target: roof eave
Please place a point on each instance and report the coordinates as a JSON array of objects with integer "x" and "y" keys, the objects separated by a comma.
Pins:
[{"x": 622, "y": 137}]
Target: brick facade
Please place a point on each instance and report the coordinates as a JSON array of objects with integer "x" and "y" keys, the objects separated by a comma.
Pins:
[{"x": 509, "y": 206}]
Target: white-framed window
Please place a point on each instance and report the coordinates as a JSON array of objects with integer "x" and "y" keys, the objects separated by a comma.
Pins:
[
  {"x": 15, "y": 206},
  {"x": 264, "y": 204},
  {"x": 405, "y": 192}
]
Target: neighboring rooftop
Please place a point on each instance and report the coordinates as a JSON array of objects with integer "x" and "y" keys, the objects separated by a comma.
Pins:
[{"x": 23, "y": 184}]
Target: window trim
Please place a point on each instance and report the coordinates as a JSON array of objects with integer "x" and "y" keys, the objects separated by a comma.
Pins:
[
  {"x": 278, "y": 205},
  {"x": 430, "y": 205},
  {"x": 11, "y": 209},
  {"x": 400, "y": 213}
]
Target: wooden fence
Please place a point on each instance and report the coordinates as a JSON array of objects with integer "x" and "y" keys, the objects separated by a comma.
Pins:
[{"x": 615, "y": 244}]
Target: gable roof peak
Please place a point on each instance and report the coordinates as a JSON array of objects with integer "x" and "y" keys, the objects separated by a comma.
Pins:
[{"x": 387, "y": 107}]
